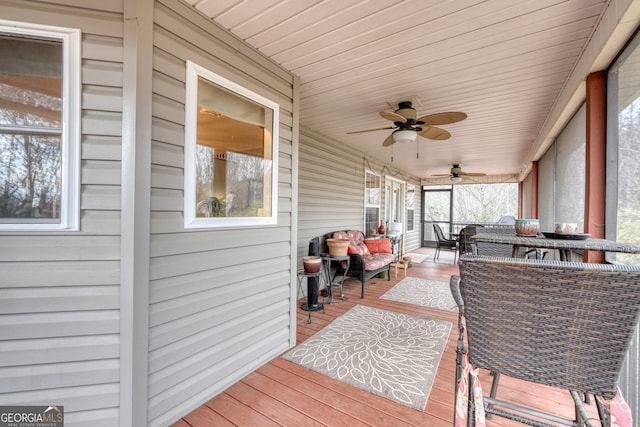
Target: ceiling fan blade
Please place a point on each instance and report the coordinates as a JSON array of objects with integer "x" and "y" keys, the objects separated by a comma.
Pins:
[
  {"x": 394, "y": 117},
  {"x": 431, "y": 132},
  {"x": 371, "y": 130},
  {"x": 441, "y": 174},
  {"x": 389, "y": 141},
  {"x": 472, "y": 173},
  {"x": 443, "y": 118}
]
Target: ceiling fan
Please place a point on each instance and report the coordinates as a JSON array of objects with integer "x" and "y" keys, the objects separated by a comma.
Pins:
[
  {"x": 456, "y": 173},
  {"x": 406, "y": 127}
]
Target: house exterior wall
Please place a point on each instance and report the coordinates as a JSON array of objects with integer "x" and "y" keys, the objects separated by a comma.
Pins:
[
  {"x": 412, "y": 239},
  {"x": 59, "y": 291},
  {"x": 219, "y": 301},
  {"x": 219, "y": 298},
  {"x": 331, "y": 189}
]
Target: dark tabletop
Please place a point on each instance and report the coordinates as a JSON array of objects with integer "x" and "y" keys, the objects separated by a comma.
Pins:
[{"x": 543, "y": 242}]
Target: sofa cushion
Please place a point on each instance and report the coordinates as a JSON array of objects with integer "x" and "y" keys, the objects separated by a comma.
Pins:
[
  {"x": 378, "y": 245},
  {"x": 378, "y": 260}
]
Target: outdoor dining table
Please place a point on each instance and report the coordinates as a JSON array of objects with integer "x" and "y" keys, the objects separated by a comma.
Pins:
[{"x": 563, "y": 245}]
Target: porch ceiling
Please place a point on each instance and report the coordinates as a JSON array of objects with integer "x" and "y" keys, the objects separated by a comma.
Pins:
[{"x": 503, "y": 62}]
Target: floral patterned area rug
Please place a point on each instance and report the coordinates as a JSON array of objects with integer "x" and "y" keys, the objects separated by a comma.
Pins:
[
  {"x": 390, "y": 354},
  {"x": 422, "y": 292}
]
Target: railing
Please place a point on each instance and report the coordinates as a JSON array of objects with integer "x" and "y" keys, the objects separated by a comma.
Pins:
[{"x": 450, "y": 228}]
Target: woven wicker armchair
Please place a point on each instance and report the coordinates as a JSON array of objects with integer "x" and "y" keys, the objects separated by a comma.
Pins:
[
  {"x": 466, "y": 245},
  {"x": 562, "y": 324},
  {"x": 444, "y": 243}
]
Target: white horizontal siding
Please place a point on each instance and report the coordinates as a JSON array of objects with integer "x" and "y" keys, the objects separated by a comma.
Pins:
[
  {"x": 169, "y": 405},
  {"x": 95, "y": 418},
  {"x": 102, "y": 48},
  {"x": 102, "y": 98},
  {"x": 101, "y": 123},
  {"x": 223, "y": 240},
  {"x": 167, "y": 132},
  {"x": 83, "y": 399},
  {"x": 58, "y": 324},
  {"x": 102, "y": 73},
  {"x": 171, "y": 365},
  {"x": 42, "y": 300},
  {"x": 98, "y": 147},
  {"x": 239, "y": 293},
  {"x": 100, "y": 197},
  {"x": 219, "y": 298},
  {"x": 331, "y": 189},
  {"x": 59, "y": 375},
  {"x": 60, "y": 293},
  {"x": 61, "y": 273},
  {"x": 59, "y": 350},
  {"x": 100, "y": 20}
]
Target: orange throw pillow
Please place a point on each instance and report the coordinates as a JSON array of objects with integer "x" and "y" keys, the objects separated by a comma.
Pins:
[
  {"x": 384, "y": 246},
  {"x": 377, "y": 246}
]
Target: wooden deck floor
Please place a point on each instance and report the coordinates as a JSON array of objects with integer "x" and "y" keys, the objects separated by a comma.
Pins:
[{"x": 282, "y": 393}]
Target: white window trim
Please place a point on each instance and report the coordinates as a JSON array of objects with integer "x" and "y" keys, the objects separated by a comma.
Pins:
[
  {"x": 191, "y": 117},
  {"x": 71, "y": 104},
  {"x": 366, "y": 205},
  {"x": 412, "y": 208}
]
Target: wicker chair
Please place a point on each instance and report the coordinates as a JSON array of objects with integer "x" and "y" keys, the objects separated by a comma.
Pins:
[
  {"x": 562, "y": 324},
  {"x": 444, "y": 243},
  {"x": 466, "y": 245},
  {"x": 497, "y": 249}
]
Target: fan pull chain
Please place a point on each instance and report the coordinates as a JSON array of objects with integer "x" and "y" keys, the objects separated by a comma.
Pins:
[{"x": 417, "y": 149}]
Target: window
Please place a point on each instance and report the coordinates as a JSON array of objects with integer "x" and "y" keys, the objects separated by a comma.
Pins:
[
  {"x": 231, "y": 153},
  {"x": 39, "y": 127},
  {"x": 371, "y": 201},
  {"x": 623, "y": 151},
  {"x": 411, "y": 203}
]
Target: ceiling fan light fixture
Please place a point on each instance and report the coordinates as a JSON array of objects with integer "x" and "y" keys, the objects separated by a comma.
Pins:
[
  {"x": 404, "y": 136},
  {"x": 456, "y": 179}
]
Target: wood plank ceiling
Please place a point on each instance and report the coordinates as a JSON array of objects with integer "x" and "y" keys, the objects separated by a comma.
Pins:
[{"x": 503, "y": 62}]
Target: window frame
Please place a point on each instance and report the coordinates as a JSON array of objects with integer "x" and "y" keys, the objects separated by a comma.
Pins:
[
  {"x": 70, "y": 132},
  {"x": 193, "y": 73},
  {"x": 368, "y": 172},
  {"x": 410, "y": 224}
]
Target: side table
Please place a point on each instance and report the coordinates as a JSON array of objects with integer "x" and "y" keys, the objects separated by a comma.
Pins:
[
  {"x": 336, "y": 280},
  {"x": 403, "y": 264},
  {"x": 309, "y": 306}
]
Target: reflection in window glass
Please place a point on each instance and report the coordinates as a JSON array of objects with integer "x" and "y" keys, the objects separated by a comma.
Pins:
[
  {"x": 411, "y": 203},
  {"x": 233, "y": 155},
  {"x": 372, "y": 201},
  {"x": 30, "y": 129},
  {"x": 38, "y": 100}
]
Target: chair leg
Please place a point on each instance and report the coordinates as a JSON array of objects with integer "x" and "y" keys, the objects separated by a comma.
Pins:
[
  {"x": 494, "y": 389},
  {"x": 460, "y": 351}
]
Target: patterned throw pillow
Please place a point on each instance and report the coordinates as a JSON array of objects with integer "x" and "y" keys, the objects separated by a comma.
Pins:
[{"x": 356, "y": 241}]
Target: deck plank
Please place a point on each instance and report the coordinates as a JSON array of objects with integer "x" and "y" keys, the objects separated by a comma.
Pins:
[{"x": 287, "y": 394}]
